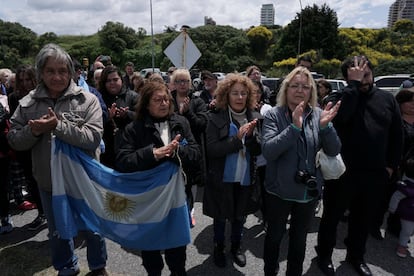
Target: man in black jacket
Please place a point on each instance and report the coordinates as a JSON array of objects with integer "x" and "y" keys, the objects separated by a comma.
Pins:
[{"x": 370, "y": 127}]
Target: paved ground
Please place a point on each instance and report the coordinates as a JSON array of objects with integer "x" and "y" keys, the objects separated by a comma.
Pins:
[{"x": 380, "y": 256}]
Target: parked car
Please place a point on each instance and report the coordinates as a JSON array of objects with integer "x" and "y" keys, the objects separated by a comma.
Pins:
[
  {"x": 391, "y": 83},
  {"x": 219, "y": 75},
  {"x": 145, "y": 71},
  {"x": 336, "y": 85},
  {"x": 316, "y": 75},
  {"x": 197, "y": 84},
  {"x": 272, "y": 83}
]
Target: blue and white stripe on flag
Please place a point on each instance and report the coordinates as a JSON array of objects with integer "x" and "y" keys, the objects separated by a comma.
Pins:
[{"x": 144, "y": 210}]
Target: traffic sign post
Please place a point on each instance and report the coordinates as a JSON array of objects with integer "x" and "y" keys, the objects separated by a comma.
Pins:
[{"x": 182, "y": 52}]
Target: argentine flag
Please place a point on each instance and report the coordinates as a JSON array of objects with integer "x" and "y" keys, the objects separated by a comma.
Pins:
[{"x": 143, "y": 210}]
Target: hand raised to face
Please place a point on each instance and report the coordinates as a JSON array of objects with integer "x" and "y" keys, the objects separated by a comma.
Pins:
[{"x": 358, "y": 70}]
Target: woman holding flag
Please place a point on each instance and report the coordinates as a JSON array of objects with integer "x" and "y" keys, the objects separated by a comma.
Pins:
[
  {"x": 59, "y": 108},
  {"x": 159, "y": 135}
]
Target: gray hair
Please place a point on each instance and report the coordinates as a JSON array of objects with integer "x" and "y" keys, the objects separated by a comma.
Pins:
[{"x": 54, "y": 51}]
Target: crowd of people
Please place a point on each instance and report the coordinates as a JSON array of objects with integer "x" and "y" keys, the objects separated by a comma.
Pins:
[{"x": 251, "y": 149}]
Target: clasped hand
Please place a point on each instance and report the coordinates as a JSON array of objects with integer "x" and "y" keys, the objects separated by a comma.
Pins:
[
  {"x": 115, "y": 111},
  {"x": 184, "y": 106},
  {"x": 246, "y": 129},
  {"x": 168, "y": 150},
  {"x": 44, "y": 124}
]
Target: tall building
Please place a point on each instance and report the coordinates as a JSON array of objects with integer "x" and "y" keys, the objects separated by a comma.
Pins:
[
  {"x": 400, "y": 9},
  {"x": 267, "y": 15}
]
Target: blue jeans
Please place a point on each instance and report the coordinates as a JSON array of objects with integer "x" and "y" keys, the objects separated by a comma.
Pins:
[{"x": 64, "y": 259}]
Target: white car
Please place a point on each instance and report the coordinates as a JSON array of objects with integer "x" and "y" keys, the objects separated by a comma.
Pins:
[
  {"x": 391, "y": 83},
  {"x": 336, "y": 85},
  {"x": 219, "y": 75},
  {"x": 145, "y": 71}
]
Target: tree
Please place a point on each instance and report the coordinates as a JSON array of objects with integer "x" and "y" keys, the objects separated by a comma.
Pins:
[
  {"x": 15, "y": 36},
  {"x": 49, "y": 37},
  {"x": 395, "y": 66},
  {"x": 223, "y": 48},
  {"x": 319, "y": 32},
  {"x": 404, "y": 26},
  {"x": 117, "y": 38},
  {"x": 259, "y": 38},
  {"x": 141, "y": 33},
  {"x": 170, "y": 29}
]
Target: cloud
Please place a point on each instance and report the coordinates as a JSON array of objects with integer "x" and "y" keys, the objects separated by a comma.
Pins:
[
  {"x": 88, "y": 16},
  {"x": 69, "y": 5}
]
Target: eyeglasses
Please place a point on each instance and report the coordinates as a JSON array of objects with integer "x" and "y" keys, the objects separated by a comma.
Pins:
[
  {"x": 297, "y": 86},
  {"x": 181, "y": 81},
  {"x": 160, "y": 100},
  {"x": 238, "y": 94}
]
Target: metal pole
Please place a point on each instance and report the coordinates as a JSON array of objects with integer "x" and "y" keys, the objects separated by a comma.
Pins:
[
  {"x": 152, "y": 41},
  {"x": 300, "y": 27},
  {"x": 183, "y": 57}
]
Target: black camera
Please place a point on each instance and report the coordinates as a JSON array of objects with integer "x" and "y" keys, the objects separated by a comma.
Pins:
[{"x": 307, "y": 179}]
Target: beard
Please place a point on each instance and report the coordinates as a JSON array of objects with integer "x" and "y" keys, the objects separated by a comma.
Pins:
[{"x": 365, "y": 87}]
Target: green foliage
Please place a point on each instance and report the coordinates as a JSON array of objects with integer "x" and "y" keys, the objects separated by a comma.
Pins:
[
  {"x": 224, "y": 48},
  {"x": 395, "y": 66},
  {"x": 141, "y": 33},
  {"x": 259, "y": 38},
  {"x": 80, "y": 47},
  {"x": 16, "y": 43},
  {"x": 46, "y": 38},
  {"x": 404, "y": 26},
  {"x": 319, "y": 27},
  {"x": 329, "y": 68},
  {"x": 116, "y": 37}
]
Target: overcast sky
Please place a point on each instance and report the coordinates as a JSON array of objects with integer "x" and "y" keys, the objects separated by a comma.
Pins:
[{"x": 88, "y": 16}]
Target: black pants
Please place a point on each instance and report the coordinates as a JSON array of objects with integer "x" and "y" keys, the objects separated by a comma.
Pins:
[
  {"x": 219, "y": 226},
  {"x": 360, "y": 192},
  {"x": 25, "y": 159},
  {"x": 278, "y": 213},
  {"x": 4, "y": 187},
  {"x": 174, "y": 257},
  {"x": 261, "y": 171}
]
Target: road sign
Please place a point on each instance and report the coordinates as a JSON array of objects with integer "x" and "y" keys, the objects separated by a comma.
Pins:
[{"x": 182, "y": 51}]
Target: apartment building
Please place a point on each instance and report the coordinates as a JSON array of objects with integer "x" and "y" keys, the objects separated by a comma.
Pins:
[
  {"x": 400, "y": 9},
  {"x": 267, "y": 15}
]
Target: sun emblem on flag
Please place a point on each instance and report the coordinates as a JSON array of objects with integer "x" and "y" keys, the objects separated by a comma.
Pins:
[{"x": 118, "y": 207}]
